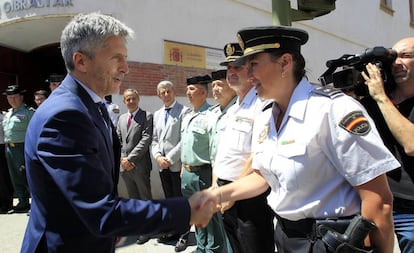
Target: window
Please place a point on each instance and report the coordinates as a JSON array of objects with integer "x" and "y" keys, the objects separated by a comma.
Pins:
[
  {"x": 412, "y": 13},
  {"x": 386, "y": 6}
]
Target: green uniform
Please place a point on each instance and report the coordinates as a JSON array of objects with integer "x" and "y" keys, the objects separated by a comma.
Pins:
[
  {"x": 14, "y": 125},
  {"x": 195, "y": 152}
]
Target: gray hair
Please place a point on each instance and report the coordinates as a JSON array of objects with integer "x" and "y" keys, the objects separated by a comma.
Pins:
[
  {"x": 129, "y": 90},
  {"x": 164, "y": 84},
  {"x": 86, "y": 33}
]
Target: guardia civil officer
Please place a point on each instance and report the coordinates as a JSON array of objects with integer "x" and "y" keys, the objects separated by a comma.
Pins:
[
  {"x": 319, "y": 152},
  {"x": 15, "y": 123},
  {"x": 195, "y": 158}
]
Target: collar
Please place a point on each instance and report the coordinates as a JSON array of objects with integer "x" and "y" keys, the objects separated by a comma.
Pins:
[
  {"x": 299, "y": 100},
  {"x": 93, "y": 95},
  {"x": 249, "y": 99},
  {"x": 172, "y": 105},
  {"x": 134, "y": 112}
]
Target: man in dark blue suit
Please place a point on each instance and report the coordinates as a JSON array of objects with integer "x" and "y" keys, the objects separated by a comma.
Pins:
[{"x": 72, "y": 154}]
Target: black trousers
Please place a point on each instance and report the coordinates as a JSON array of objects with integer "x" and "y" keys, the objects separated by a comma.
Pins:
[
  {"x": 171, "y": 183},
  {"x": 297, "y": 244},
  {"x": 249, "y": 224},
  {"x": 6, "y": 187}
]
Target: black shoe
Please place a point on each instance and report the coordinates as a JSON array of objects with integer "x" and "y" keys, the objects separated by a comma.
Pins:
[
  {"x": 167, "y": 238},
  {"x": 181, "y": 245},
  {"x": 5, "y": 210},
  {"x": 142, "y": 239},
  {"x": 21, "y": 208}
]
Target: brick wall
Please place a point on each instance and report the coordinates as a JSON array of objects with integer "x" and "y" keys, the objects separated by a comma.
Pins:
[{"x": 144, "y": 77}]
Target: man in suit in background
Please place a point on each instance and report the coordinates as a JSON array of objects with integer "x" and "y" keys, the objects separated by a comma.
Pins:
[
  {"x": 166, "y": 147},
  {"x": 72, "y": 154},
  {"x": 135, "y": 133}
]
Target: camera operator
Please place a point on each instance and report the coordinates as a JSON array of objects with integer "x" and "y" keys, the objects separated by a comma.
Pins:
[{"x": 394, "y": 117}]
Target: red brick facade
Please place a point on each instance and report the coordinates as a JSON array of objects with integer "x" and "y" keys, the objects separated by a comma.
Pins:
[{"x": 144, "y": 77}]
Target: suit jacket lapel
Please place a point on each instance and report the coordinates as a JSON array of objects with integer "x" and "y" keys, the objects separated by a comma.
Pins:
[
  {"x": 96, "y": 116},
  {"x": 167, "y": 126}
]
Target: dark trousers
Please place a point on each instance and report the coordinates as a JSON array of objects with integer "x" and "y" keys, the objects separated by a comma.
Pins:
[
  {"x": 403, "y": 212},
  {"x": 249, "y": 224},
  {"x": 15, "y": 163},
  {"x": 287, "y": 244},
  {"x": 211, "y": 238},
  {"x": 138, "y": 183},
  {"x": 6, "y": 187},
  {"x": 171, "y": 183}
]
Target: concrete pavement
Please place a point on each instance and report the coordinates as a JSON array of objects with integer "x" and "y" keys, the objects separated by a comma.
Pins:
[{"x": 12, "y": 227}]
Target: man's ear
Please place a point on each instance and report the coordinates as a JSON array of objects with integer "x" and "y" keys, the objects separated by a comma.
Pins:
[{"x": 80, "y": 62}]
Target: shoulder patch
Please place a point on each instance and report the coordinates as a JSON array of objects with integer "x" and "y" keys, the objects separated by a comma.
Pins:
[
  {"x": 116, "y": 110},
  {"x": 327, "y": 91},
  {"x": 355, "y": 123}
]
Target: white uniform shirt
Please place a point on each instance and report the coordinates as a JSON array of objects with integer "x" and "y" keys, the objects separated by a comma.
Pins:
[
  {"x": 234, "y": 147},
  {"x": 312, "y": 163},
  {"x": 114, "y": 112}
]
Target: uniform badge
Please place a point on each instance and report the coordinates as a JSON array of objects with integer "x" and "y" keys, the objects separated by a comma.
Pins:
[
  {"x": 355, "y": 123},
  {"x": 230, "y": 49},
  {"x": 116, "y": 110},
  {"x": 240, "y": 41},
  {"x": 264, "y": 134}
]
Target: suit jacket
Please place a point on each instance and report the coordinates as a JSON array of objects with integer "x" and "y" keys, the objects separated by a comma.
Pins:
[
  {"x": 136, "y": 139},
  {"x": 72, "y": 170},
  {"x": 167, "y": 136}
]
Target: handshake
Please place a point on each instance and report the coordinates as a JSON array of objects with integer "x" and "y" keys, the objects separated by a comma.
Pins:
[{"x": 206, "y": 203}]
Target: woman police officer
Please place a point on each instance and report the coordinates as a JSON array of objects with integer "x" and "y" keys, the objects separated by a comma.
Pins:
[{"x": 314, "y": 146}]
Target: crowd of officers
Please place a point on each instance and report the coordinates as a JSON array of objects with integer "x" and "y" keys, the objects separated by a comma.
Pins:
[
  {"x": 13, "y": 125},
  {"x": 274, "y": 147}
]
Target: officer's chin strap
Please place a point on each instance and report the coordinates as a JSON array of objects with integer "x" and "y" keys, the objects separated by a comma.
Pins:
[{"x": 352, "y": 240}]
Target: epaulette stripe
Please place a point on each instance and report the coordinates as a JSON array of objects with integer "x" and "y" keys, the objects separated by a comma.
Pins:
[
  {"x": 268, "y": 106},
  {"x": 327, "y": 91}
]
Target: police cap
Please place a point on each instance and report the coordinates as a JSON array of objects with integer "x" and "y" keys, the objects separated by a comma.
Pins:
[
  {"x": 268, "y": 38},
  {"x": 232, "y": 51},
  {"x": 13, "y": 89},
  {"x": 219, "y": 74},
  {"x": 199, "y": 80},
  {"x": 55, "y": 78}
]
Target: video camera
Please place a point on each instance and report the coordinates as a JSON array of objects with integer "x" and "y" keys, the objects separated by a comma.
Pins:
[{"x": 350, "y": 78}]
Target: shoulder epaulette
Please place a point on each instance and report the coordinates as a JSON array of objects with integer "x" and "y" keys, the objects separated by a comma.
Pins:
[
  {"x": 268, "y": 106},
  {"x": 213, "y": 107},
  {"x": 328, "y": 91},
  {"x": 30, "y": 108}
]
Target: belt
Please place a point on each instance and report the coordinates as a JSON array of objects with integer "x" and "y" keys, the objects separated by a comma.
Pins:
[
  {"x": 221, "y": 182},
  {"x": 306, "y": 228},
  {"x": 12, "y": 144},
  {"x": 197, "y": 167}
]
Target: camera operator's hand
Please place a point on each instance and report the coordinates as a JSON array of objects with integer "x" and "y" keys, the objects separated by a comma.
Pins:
[{"x": 375, "y": 83}]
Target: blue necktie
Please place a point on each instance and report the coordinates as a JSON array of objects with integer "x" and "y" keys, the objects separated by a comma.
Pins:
[{"x": 167, "y": 114}]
